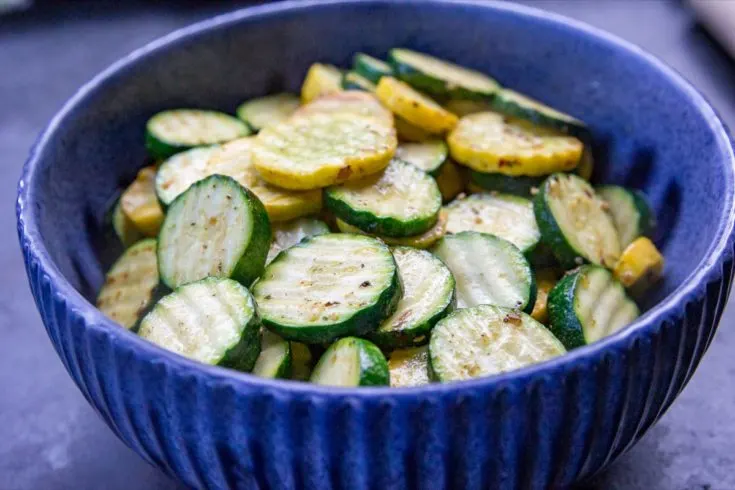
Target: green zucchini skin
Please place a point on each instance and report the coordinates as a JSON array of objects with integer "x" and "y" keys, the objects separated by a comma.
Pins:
[
  {"x": 517, "y": 186},
  {"x": 433, "y": 85},
  {"x": 252, "y": 262},
  {"x": 560, "y": 305},
  {"x": 283, "y": 368},
  {"x": 506, "y": 102},
  {"x": 647, "y": 220},
  {"x": 444, "y": 300},
  {"x": 370, "y": 68},
  {"x": 360, "y": 322},
  {"x": 551, "y": 233},
  {"x": 617, "y": 196},
  {"x": 354, "y": 81},
  {"x": 372, "y": 365},
  {"x": 340, "y": 202}
]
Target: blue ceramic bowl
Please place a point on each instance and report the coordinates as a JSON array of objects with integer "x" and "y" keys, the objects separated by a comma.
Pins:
[{"x": 547, "y": 425}]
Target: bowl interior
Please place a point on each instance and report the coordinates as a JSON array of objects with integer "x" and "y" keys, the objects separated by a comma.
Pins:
[{"x": 650, "y": 132}]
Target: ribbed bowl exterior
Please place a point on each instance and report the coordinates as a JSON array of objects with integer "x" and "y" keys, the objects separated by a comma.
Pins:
[{"x": 542, "y": 427}]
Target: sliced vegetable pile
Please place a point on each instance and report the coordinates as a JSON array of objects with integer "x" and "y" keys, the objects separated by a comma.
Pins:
[{"x": 405, "y": 222}]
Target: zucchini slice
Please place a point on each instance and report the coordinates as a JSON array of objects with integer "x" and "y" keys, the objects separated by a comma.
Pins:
[
  {"x": 487, "y": 340},
  {"x": 515, "y": 104},
  {"x": 124, "y": 227},
  {"x": 301, "y": 361},
  {"x": 288, "y": 234},
  {"x": 429, "y": 155},
  {"x": 140, "y": 204},
  {"x": 488, "y": 271},
  {"x": 274, "y": 360},
  {"x": 130, "y": 284},
  {"x": 428, "y": 296},
  {"x": 216, "y": 228},
  {"x": 351, "y": 362},
  {"x": 424, "y": 240},
  {"x": 508, "y": 217},
  {"x": 573, "y": 222},
  {"x": 463, "y": 107},
  {"x": 630, "y": 212},
  {"x": 520, "y": 185},
  {"x": 170, "y": 132},
  {"x": 439, "y": 77},
  {"x": 322, "y": 149},
  {"x": 354, "y": 81},
  {"x": 546, "y": 279},
  {"x": 328, "y": 286},
  {"x": 587, "y": 305},
  {"x": 491, "y": 143},
  {"x": 451, "y": 181},
  {"x": 371, "y": 68},
  {"x": 320, "y": 80},
  {"x": 264, "y": 111},
  {"x": 351, "y": 102},
  {"x": 234, "y": 159},
  {"x": 408, "y": 132},
  {"x": 640, "y": 266},
  {"x": 179, "y": 171},
  {"x": 212, "y": 321},
  {"x": 402, "y": 201},
  {"x": 409, "y": 367},
  {"x": 415, "y": 107}
]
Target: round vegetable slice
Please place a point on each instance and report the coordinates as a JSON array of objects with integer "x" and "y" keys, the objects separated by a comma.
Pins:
[
  {"x": 371, "y": 68},
  {"x": 274, "y": 360},
  {"x": 351, "y": 102},
  {"x": 522, "y": 106},
  {"x": 234, "y": 159},
  {"x": 320, "y": 80},
  {"x": 355, "y": 81},
  {"x": 640, "y": 266},
  {"x": 177, "y": 130},
  {"x": 179, "y": 171},
  {"x": 489, "y": 142},
  {"x": 429, "y": 155},
  {"x": 212, "y": 321},
  {"x": 488, "y": 271},
  {"x": 587, "y": 305},
  {"x": 439, "y": 77},
  {"x": 264, "y": 111},
  {"x": 520, "y": 185},
  {"x": 321, "y": 149},
  {"x": 545, "y": 281},
  {"x": 573, "y": 222},
  {"x": 630, "y": 212},
  {"x": 216, "y": 228},
  {"x": 140, "y": 205},
  {"x": 424, "y": 240},
  {"x": 130, "y": 284},
  {"x": 450, "y": 180},
  {"x": 409, "y": 367},
  {"x": 288, "y": 234},
  {"x": 351, "y": 362},
  {"x": 508, "y": 217},
  {"x": 415, "y": 107},
  {"x": 124, "y": 227},
  {"x": 402, "y": 201},
  {"x": 327, "y": 287},
  {"x": 428, "y": 296},
  {"x": 487, "y": 340}
]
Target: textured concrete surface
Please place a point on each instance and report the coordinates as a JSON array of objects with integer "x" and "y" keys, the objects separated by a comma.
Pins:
[{"x": 50, "y": 438}]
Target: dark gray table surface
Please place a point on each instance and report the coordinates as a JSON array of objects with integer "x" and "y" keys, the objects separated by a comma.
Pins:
[{"x": 51, "y": 438}]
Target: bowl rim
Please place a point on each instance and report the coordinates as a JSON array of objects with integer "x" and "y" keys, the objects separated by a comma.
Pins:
[{"x": 672, "y": 306}]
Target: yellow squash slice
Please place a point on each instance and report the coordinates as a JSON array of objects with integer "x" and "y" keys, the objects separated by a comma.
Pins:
[
  {"x": 320, "y": 80},
  {"x": 321, "y": 149},
  {"x": 140, "y": 204},
  {"x": 415, "y": 107},
  {"x": 362, "y": 103},
  {"x": 489, "y": 142},
  {"x": 639, "y": 266}
]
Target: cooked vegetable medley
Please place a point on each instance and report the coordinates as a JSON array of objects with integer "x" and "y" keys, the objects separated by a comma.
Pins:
[{"x": 397, "y": 223}]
